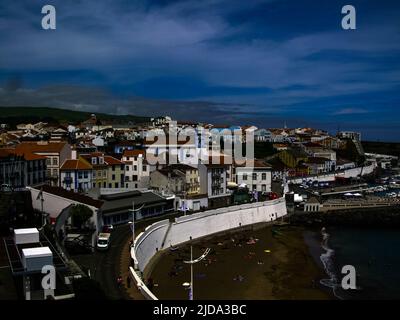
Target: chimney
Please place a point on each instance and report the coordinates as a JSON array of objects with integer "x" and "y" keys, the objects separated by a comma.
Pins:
[{"x": 74, "y": 154}]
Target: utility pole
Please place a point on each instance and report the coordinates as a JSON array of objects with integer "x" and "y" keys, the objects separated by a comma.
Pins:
[
  {"x": 192, "y": 262},
  {"x": 133, "y": 210}
]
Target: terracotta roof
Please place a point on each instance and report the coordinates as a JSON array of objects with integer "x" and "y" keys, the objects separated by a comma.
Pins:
[
  {"x": 112, "y": 161},
  {"x": 257, "y": 164},
  {"x": 133, "y": 153},
  {"x": 79, "y": 164},
  {"x": 29, "y": 156},
  {"x": 96, "y": 154},
  {"x": 40, "y": 147}
]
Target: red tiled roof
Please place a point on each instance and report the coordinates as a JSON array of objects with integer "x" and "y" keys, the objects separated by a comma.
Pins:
[
  {"x": 133, "y": 153},
  {"x": 112, "y": 161},
  {"x": 79, "y": 164},
  {"x": 29, "y": 156},
  {"x": 40, "y": 147}
]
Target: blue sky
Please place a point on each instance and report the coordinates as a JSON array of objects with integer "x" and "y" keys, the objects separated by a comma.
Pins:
[{"x": 222, "y": 61}]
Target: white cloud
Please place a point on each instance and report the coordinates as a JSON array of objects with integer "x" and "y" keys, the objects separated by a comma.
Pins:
[{"x": 348, "y": 111}]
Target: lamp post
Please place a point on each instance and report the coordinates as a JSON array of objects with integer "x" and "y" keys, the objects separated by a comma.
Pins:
[
  {"x": 133, "y": 210},
  {"x": 41, "y": 198},
  {"x": 192, "y": 262}
]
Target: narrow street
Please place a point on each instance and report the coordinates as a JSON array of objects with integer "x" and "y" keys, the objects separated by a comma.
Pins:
[{"x": 105, "y": 266}]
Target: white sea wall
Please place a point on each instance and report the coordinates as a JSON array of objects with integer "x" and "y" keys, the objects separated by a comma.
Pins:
[
  {"x": 163, "y": 234},
  {"x": 148, "y": 243}
]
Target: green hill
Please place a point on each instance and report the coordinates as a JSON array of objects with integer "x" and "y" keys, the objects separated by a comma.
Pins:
[{"x": 15, "y": 115}]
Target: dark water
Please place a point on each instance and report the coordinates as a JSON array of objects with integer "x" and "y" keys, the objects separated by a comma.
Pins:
[{"x": 375, "y": 254}]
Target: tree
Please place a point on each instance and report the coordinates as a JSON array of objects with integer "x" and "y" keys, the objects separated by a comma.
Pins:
[{"x": 80, "y": 214}]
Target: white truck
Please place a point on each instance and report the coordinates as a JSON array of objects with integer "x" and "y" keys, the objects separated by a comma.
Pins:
[{"x": 103, "y": 241}]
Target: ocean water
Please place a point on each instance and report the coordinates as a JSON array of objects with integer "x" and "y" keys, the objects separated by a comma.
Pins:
[{"x": 375, "y": 254}]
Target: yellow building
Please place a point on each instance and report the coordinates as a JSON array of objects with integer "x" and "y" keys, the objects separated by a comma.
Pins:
[
  {"x": 115, "y": 172},
  {"x": 292, "y": 157},
  {"x": 100, "y": 169}
]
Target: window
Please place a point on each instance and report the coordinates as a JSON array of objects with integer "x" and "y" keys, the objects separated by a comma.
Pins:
[
  {"x": 113, "y": 168},
  {"x": 244, "y": 176},
  {"x": 55, "y": 161},
  {"x": 85, "y": 174},
  {"x": 48, "y": 161},
  {"x": 126, "y": 168},
  {"x": 94, "y": 160},
  {"x": 94, "y": 174},
  {"x": 254, "y": 176},
  {"x": 263, "y": 187},
  {"x": 122, "y": 178},
  {"x": 144, "y": 168},
  {"x": 113, "y": 177},
  {"x": 101, "y": 160},
  {"x": 80, "y": 174},
  {"x": 264, "y": 176},
  {"x": 134, "y": 168}
]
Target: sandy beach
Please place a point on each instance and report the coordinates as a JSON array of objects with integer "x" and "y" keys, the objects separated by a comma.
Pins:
[{"x": 267, "y": 263}]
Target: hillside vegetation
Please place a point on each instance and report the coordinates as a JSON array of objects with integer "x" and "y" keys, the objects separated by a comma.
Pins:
[{"x": 16, "y": 115}]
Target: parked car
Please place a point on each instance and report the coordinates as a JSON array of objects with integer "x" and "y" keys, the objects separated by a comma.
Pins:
[{"x": 108, "y": 228}]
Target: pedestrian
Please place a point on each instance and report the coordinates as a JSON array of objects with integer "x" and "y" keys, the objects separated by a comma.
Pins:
[
  {"x": 128, "y": 281},
  {"x": 119, "y": 281}
]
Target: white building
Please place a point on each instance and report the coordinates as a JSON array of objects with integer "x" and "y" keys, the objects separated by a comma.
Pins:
[
  {"x": 137, "y": 169},
  {"x": 257, "y": 178},
  {"x": 213, "y": 183},
  {"x": 76, "y": 175}
]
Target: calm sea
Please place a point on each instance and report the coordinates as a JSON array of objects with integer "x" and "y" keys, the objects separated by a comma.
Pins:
[{"x": 375, "y": 254}]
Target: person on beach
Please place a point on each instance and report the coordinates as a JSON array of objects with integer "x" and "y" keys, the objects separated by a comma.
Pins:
[{"x": 119, "y": 281}]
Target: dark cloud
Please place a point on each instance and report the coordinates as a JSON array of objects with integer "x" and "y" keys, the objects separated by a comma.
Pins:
[{"x": 274, "y": 59}]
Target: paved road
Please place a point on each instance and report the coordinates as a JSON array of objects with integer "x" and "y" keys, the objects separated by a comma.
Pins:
[{"x": 105, "y": 265}]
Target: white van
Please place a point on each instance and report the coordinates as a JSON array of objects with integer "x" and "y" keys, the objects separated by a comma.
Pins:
[{"x": 103, "y": 241}]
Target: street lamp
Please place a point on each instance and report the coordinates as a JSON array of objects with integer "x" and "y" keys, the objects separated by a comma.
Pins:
[
  {"x": 41, "y": 198},
  {"x": 192, "y": 262},
  {"x": 133, "y": 210}
]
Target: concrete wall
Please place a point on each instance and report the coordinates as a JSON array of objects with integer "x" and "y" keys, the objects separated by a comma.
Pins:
[
  {"x": 149, "y": 242},
  {"x": 54, "y": 205},
  {"x": 163, "y": 234}
]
